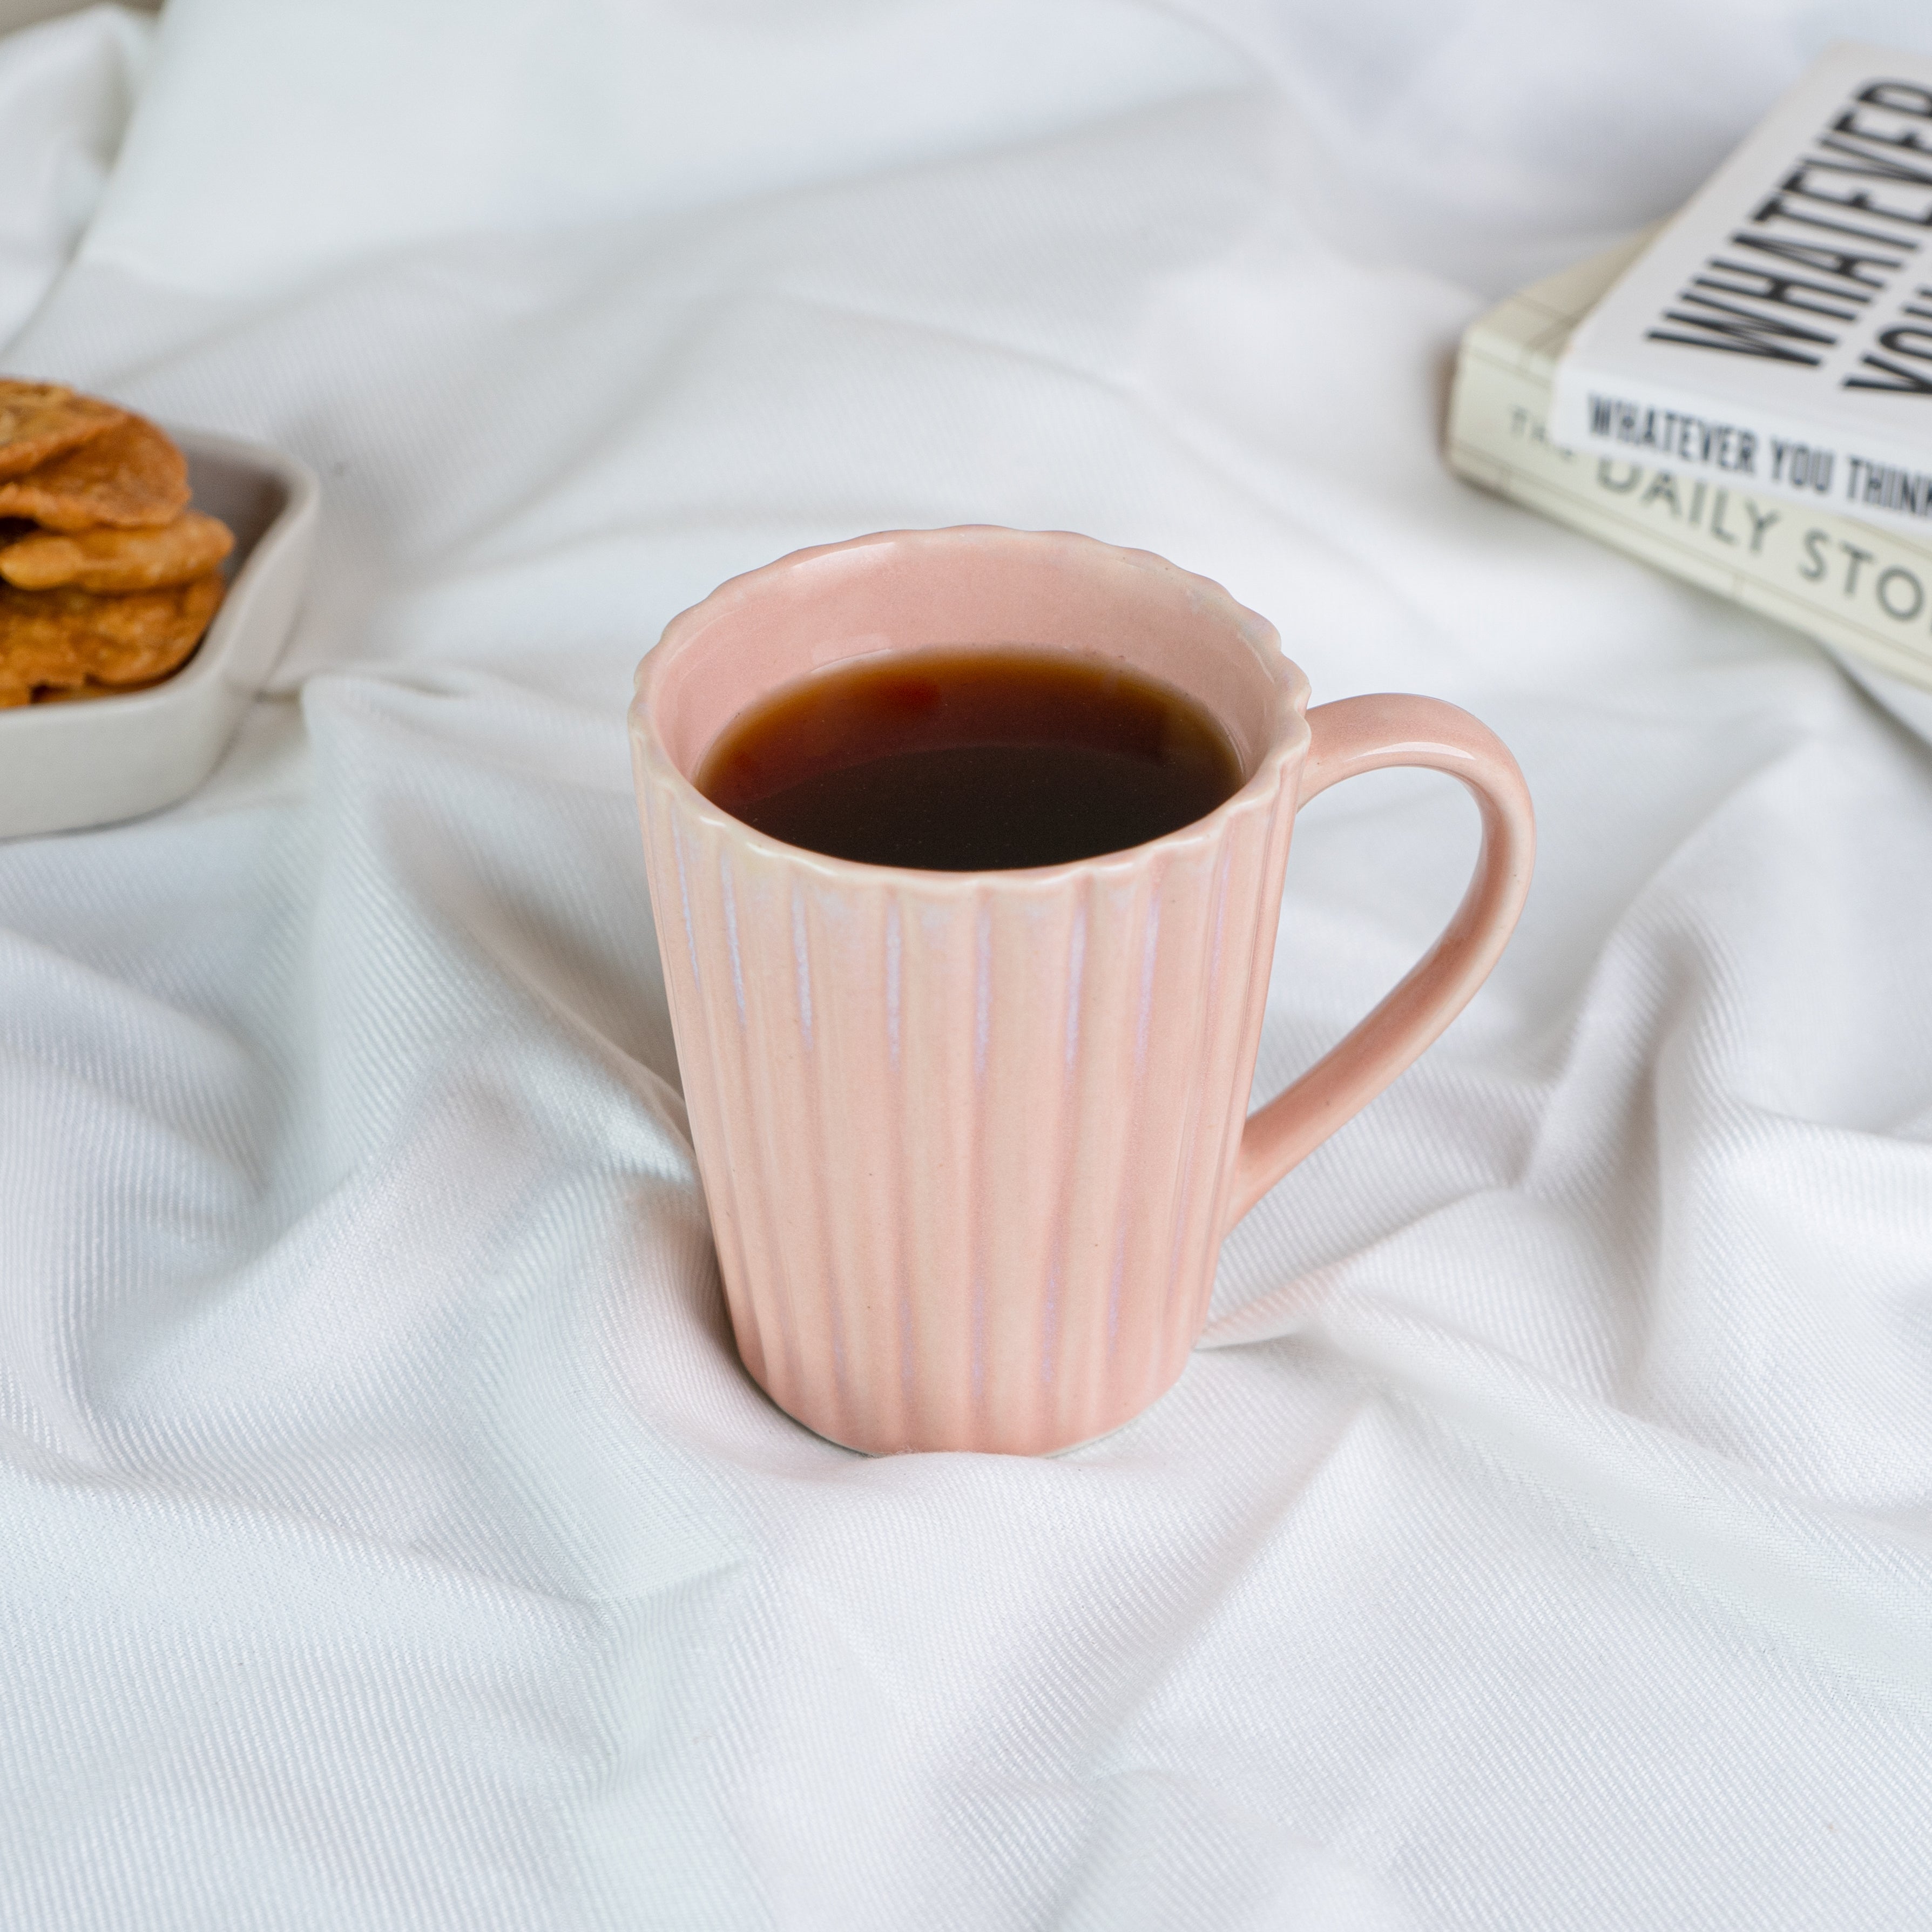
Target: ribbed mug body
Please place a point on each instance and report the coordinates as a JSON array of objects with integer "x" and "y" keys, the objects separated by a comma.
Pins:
[{"x": 966, "y": 1139}]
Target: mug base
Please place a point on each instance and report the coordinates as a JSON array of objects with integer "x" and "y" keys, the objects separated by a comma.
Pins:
[
  {"x": 882, "y": 1455},
  {"x": 1059, "y": 1449}
]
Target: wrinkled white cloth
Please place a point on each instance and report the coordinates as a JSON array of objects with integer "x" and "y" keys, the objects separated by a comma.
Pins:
[
  {"x": 66, "y": 89},
  {"x": 392, "y": 1538}
]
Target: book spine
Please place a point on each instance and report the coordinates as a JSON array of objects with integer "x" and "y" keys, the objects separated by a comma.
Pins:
[{"x": 1863, "y": 591}]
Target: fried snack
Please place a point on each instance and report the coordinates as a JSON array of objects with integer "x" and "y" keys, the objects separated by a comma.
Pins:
[
  {"x": 39, "y": 421},
  {"x": 39, "y": 649},
  {"x": 58, "y": 640},
  {"x": 137, "y": 638},
  {"x": 130, "y": 477},
  {"x": 178, "y": 552}
]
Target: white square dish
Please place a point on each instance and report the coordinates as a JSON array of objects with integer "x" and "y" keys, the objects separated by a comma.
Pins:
[{"x": 65, "y": 766}]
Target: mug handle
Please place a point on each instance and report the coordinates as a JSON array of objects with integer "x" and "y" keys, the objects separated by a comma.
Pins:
[{"x": 1363, "y": 734}]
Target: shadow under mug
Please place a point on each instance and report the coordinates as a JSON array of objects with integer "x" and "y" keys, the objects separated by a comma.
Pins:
[{"x": 970, "y": 1142}]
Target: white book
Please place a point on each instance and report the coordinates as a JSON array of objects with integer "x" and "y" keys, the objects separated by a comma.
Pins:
[
  {"x": 1776, "y": 335},
  {"x": 1864, "y": 592}
]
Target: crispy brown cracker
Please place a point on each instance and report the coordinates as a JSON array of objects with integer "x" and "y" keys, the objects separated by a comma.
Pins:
[
  {"x": 39, "y": 647},
  {"x": 40, "y": 420},
  {"x": 131, "y": 477},
  {"x": 61, "y": 640},
  {"x": 147, "y": 634},
  {"x": 178, "y": 552}
]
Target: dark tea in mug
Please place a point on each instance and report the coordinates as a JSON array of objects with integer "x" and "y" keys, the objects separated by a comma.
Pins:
[{"x": 971, "y": 760}]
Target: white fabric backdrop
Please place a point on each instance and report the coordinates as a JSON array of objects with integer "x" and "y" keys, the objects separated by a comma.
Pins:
[{"x": 391, "y": 1537}]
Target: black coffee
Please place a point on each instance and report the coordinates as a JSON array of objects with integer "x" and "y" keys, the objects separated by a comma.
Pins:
[{"x": 956, "y": 761}]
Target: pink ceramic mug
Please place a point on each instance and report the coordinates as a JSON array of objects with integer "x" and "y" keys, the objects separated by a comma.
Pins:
[{"x": 970, "y": 1141}]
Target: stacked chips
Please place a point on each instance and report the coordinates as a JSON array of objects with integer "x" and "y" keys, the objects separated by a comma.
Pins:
[{"x": 107, "y": 578}]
